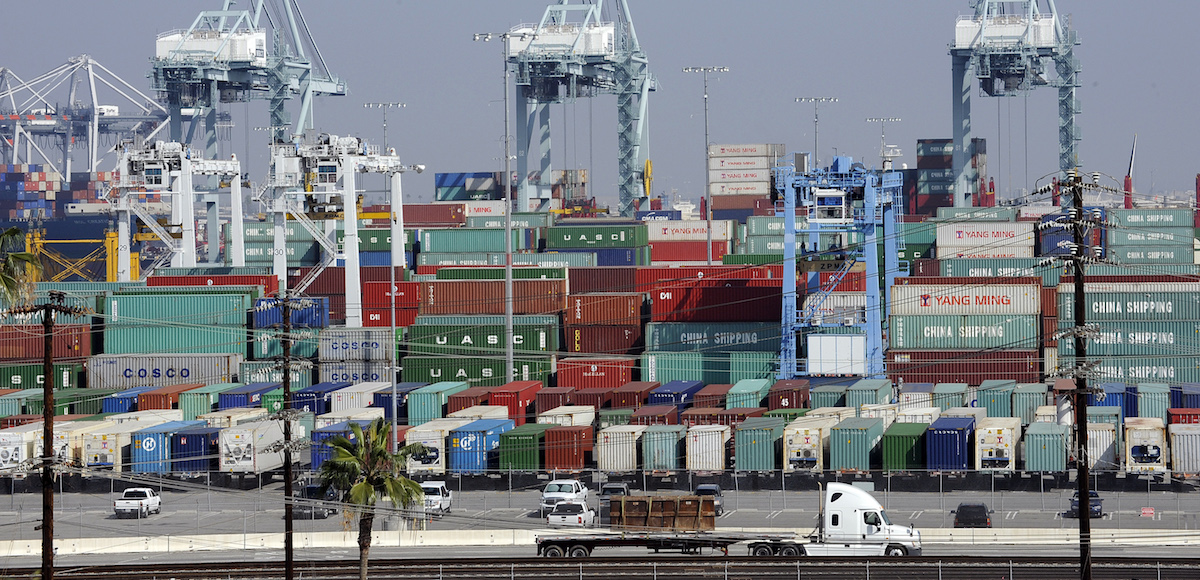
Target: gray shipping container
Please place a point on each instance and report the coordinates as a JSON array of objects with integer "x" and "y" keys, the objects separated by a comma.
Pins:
[
  {"x": 354, "y": 344},
  {"x": 125, "y": 371}
]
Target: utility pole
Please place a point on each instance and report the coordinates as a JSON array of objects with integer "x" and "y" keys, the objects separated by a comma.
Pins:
[
  {"x": 289, "y": 553},
  {"x": 1082, "y": 471}
]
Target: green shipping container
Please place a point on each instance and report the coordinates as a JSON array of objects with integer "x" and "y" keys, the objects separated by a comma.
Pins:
[
  {"x": 497, "y": 273},
  {"x": 613, "y": 417},
  {"x": 519, "y": 220},
  {"x": 429, "y": 402},
  {"x": 759, "y": 225},
  {"x": 709, "y": 336},
  {"x": 1153, "y": 400},
  {"x": 590, "y": 236},
  {"x": 1152, "y": 218},
  {"x": 203, "y": 400},
  {"x": 663, "y": 448},
  {"x": 1002, "y": 268},
  {"x": 478, "y": 371},
  {"x": 14, "y": 403},
  {"x": 71, "y": 401},
  {"x": 1174, "y": 237},
  {"x": 521, "y": 447},
  {"x": 748, "y": 393},
  {"x": 1046, "y": 447},
  {"x": 265, "y": 345},
  {"x": 1153, "y": 308},
  {"x": 1026, "y": 398},
  {"x": 150, "y": 339},
  {"x": 949, "y": 395},
  {"x": 1138, "y": 368},
  {"x": 67, "y": 376},
  {"x": 559, "y": 259},
  {"x": 269, "y": 372},
  {"x": 273, "y": 401},
  {"x": 207, "y": 271},
  {"x": 1122, "y": 270},
  {"x": 758, "y": 444},
  {"x": 706, "y": 367},
  {"x": 484, "y": 340},
  {"x": 976, "y": 214},
  {"x": 751, "y": 259},
  {"x": 753, "y": 365},
  {"x": 852, "y": 444},
  {"x": 181, "y": 307},
  {"x": 918, "y": 233},
  {"x": 788, "y": 415},
  {"x": 470, "y": 240},
  {"x": 996, "y": 396},
  {"x": 903, "y": 447},
  {"x": 959, "y": 332},
  {"x": 832, "y": 395},
  {"x": 869, "y": 392},
  {"x": 298, "y": 253},
  {"x": 1141, "y": 337},
  {"x": 378, "y": 239},
  {"x": 1152, "y": 255}
]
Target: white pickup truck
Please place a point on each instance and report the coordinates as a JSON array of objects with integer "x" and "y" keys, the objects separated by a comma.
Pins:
[
  {"x": 571, "y": 514},
  {"x": 138, "y": 502}
]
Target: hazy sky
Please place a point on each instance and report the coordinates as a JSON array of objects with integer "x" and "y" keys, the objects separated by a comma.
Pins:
[{"x": 880, "y": 58}]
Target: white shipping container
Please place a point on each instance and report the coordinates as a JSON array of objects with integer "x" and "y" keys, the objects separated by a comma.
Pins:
[
  {"x": 739, "y": 162},
  {"x": 479, "y": 412},
  {"x": 1185, "y": 449},
  {"x": 837, "y": 354},
  {"x": 480, "y": 207},
  {"x": 568, "y": 416},
  {"x": 915, "y": 400},
  {"x": 109, "y": 447},
  {"x": 1046, "y": 414},
  {"x": 538, "y": 205},
  {"x": 918, "y": 415},
  {"x": 357, "y": 395},
  {"x": 354, "y": 414},
  {"x": 151, "y": 416},
  {"x": 753, "y": 150},
  {"x": 706, "y": 446},
  {"x": 839, "y": 413},
  {"x": 996, "y": 443},
  {"x": 977, "y": 413},
  {"x": 885, "y": 411},
  {"x": 352, "y": 371},
  {"x": 243, "y": 448},
  {"x": 1102, "y": 447},
  {"x": 16, "y": 443},
  {"x": 233, "y": 417},
  {"x": 689, "y": 230},
  {"x": 1145, "y": 445},
  {"x": 738, "y": 175},
  {"x": 125, "y": 371},
  {"x": 1133, "y": 288},
  {"x": 966, "y": 300},
  {"x": 617, "y": 448},
  {"x": 985, "y": 252},
  {"x": 68, "y": 439},
  {"x": 836, "y": 307},
  {"x": 342, "y": 344},
  {"x": 985, "y": 235},
  {"x": 806, "y": 443},
  {"x": 740, "y": 188},
  {"x": 432, "y": 434}
]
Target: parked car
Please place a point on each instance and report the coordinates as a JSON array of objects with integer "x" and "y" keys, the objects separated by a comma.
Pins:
[
  {"x": 315, "y": 504},
  {"x": 972, "y": 515},
  {"x": 560, "y": 490},
  {"x": 139, "y": 502},
  {"x": 714, "y": 490},
  {"x": 1096, "y": 504},
  {"x": 571, "y": 514},
  {"x": 438, "y": 498}
]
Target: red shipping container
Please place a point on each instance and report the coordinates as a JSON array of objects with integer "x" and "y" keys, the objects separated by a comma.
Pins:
[
  {"x": 519, "y": 397},
  {"x": 1049, "y": 327},
  {"x": 596, "y": 372},
  {"x": 405, "y": 295},
  {"x": 686, "y": 250},
  {"x": 468, "y": 398},
  {"x": 269, "y": 282},
  {"x": 964, "y": 366},
  {"x": 487, "y": 296},
  {"x": 598, "y": 398},
  {"x": 789, "y": 394},
  {"x": 851, "y": 282},
  {"x": 633, "y": 395},
  {"x": 736, "y": 201},
  {"x": 380, "y": 317},
  {"x": 1167, "y": 278},
  {"x": 605, "y": 309},
  {"x": 712, "y": 396},
  {"x": 734, "y": 417},
  {"x": 1188, "y": 416},
  {"x": 926, "y": 204},
  {"x": 969, "y": 281},
  {"x": 25, "y": 342},
  {"x": 736, "y": 302},
  {"x": 925, "y": 267},
  {"x": 164, "y": 398},
  {"x": 569, "y": 449},
  {"x": 553, "y": 398},
  {"x": 1050, "y": 301},
  {"x": 332, "y": 280},
  {"x": 434, "y": 214},
  {"x": 700, "y": 416},
  {"x": 603, "y": 340},
  {"x": 648, "y": 277},
  {"x": 656, "y": 415},
  {"x": 602, "y": 279}
]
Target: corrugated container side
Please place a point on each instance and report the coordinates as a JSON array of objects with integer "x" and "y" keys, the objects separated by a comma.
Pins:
[
  {"x": 655, "y": 415},
  {"x": 165, "y": 397},
  {"x": 963, "y": 299},
  {"x": 788, "y": 394},
  {"x": 748, "y": 393},
  {"x": 1026, "y": 399},
  {"x": 973, "y": 367},
  {"x": 617, "y": 448},
  {"x": 1046, "y": 447},
  {"x": 700, "y": 416},
  {"x": 1103, "y": 454},
  {"x": 597, "y": 398},
  {"x": 569, "y": 448},
  {"x": 605, "y": 309},
  {"x": 521, "y": 448},
  {"x": 354, "y": 344},
  {"x": 383, "y": 399},
  {"x": 903, "y": 447},
  {"x": 964, "y": 332},
  {"x": 758, "y": 444},
  {"x": 429, "y": 402},
  {"x": 1185, "y": 449},
  {"x": 552, "y": 398},
  {"x": 518, "y": 397},
  {"x": 604, "y": 340},
  {"x": 680, "y": 394},
  {"x": 706, "y": 445},
  {"x": 1153, "y": 400},
  {"x": 948, "y": 445},
  {"x": 475, "y": 448},
  {"x": 596, "y": 372},
  {"x": 468, "y": 398},
  {"x": 201, "y": 400},
  {"x": 463, "y": 296},
  {"x": 712, "y": 395},
  {"x": 664, "y": 448},
  {"x": 852, "y": 444},
  {"x": 135, "y": 370},
  {"x": 869, "y": 392},
  {"x": 830, "y": 395},
  {"x": 634, "y": 394},
  {"x": 996, "y": 396}
]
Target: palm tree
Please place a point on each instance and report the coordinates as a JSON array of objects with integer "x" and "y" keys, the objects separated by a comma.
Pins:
[
  {"x": 367, "y": 470},
  {"x": 17, "y": 268}
]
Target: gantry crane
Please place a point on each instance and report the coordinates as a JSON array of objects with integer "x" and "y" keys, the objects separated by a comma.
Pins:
[
  {"x": 222, "y": 58},
  {"x": 571, "y": 53},
  {"x": 849, "y": 200},
  {"x": 1007, "y": 43}
]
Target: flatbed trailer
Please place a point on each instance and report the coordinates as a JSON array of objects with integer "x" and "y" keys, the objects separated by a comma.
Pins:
[{"x": 582, "y": 545}]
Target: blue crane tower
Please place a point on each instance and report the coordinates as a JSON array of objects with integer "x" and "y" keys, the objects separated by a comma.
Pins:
[
  {"x": 573, "y": 52},
  {"x": 842, "y": 202},
  {"x": 222, "y": 58},
  {"x": 1008, "y": 44}
]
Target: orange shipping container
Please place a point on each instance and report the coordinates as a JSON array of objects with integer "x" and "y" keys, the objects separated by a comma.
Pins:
[
  {"x": 569, "y": 448},
  {"x": 164, "y": 398},
  {"x": 605, "y": 308},
  {"x": 487, "y": 297}
]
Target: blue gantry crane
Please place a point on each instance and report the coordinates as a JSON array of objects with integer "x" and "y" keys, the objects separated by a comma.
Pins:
[
  {"x": 1008, "y": 43},
  {"x": 852, "y": 203},
  {"x": 571, "y": 53}
]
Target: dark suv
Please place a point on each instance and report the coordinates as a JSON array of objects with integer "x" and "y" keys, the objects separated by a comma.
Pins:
[
  {"x": 713, "y": 490},
  {"x": 1096, "y": 504},
  {"x": 972, "y": 515}
]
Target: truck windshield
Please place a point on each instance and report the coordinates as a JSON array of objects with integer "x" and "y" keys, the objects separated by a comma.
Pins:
[{"x": 883, "y": 516}]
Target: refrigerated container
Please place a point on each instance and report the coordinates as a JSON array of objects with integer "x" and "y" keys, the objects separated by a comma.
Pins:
[
  {"x": 356, "y": 414},
  {"x": 246, "y": 448},
  {"x": 232, "y": 417},
  {"x": 432, "y": 434},
  {"x": 806, "y": 444},
  {"x": 1146, "y": 448},
  {"x": 841, "y": 413},
  {"x": 16, "y": 444},
  {"x": 997, "y": 441},
  {"x": 918, "y": 415}
]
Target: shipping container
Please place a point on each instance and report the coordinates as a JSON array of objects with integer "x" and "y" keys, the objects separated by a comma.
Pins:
[
  {"x": 247, "y": 448},
  {"x": 321, "y": 451},
  {"x": 649, "y": 415},
  {"x": 996, "y": 395},
  {"x": 634, "y": 394},
  {"x": 1185, "y": 449},
  {"x": 707, "y": 336},
  {"x": 433, "y": 435},
  {"x": 316, "y": 398},
  {"x": 26, "y": 341},
  {"x": 1046, "y": 447},
  {"x": 953, "y": 296},
  {"x": 734, "y": 301},
  {"x": 474, "y": 447},
  {"x": 1135, "y": 338},
  {"x": 356, "y": 414},
  {"x": 903, "y": 447},
  {"x": 30, "y": 376},
  {"x": 664, "y": 449},
  {"x": 150, "y": 447},
  {"x": 1001, "y": 269},
  {"x": 788, "y": 394},
  {"x": 679, "y": 394},
  {"x": 609, "y": 417},
  {"x": 570, "y": 449},
  {"x": 194, "y": 450},
  {"x": 829, "y": 395},
  {"x": 597, "y": 398},
  {"x": 464, "y": 296},
  {"x": 973, "y": 367},
  {"x": 356, "y": 395},
  {"x": 948, "y": 444},
  {"x": 706, "y": 448},
  {"x": 521, "y": 448},
  {"x": 755, "y": 365},
  {"x": 1145, "y": 446},
  {"x": 123, "y": 401},
  {"x": 383, "y": 400},
  {"x": 836, "y": 355},
  {"x": 602, "y": 340},
  {"x": 758, "y": 444},
  {"x": 485, "y": 339},
  {"x": 568, "y": 416},
  {"x": 1115, "y": 395},
  {"x": 480, "y": 412},
  {"x": 605, "y": 309},
  {"x": 713, "y": 395},
  {"x": 477, "y": 370},
  {"x": 806, "y": 444},
  {"x": 1026, "y": 398},
  {"x": 1183, "y": 416},
  {"x": 133, "y": 370},
  {"x": 312, "y": 312},
  {"x": 1152, "y": 400},
  {"x": 748, "y": 393},
  {"x": 701, "y": 416},
  {"x": 553, "y": 398},
  {"x": 518, "y": 397},
  {"x": 869, "y": 392},
  {"x": 164, "y": 397},
  {"x": 595, "y": 372},
  {"x": 618, "y": 448},
  {"x": 249, "y": 395},
  {"x": 1103, "y": 452},
  {"x": 596, "y": 236},
  {"x": 109, "y": 447},
  {"x": 948, "y": 395},
  {"x": 940, "y": 332},
  {"x": 231, "y": 417},
  {"x": 996, "y": 444},
  {"x": 915, "y": 395},
  {"x": 429, "y": 402},
  {"x": 1152, "y": 255},
  {"x": 853, "y": 444},
  {"x": 918, "y": 415}
]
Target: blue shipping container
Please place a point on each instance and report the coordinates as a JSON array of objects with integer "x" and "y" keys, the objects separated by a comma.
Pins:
[
  {"x": 247, "y": 396},
  {"x": 655, "y": 215},
  {"x": 321, "y": 452},
  {"x": 384, "y": 399},
  {"x": 377, "y": 258},
  {"x": 1115, "y": 396},
  {"x": 311, "y": 312},
  {"x": 1189, "y": 396},
  {"x": 678, "y": 393},
  {"x": 315, "y": 399},
  {"x": 150, "y": 448},
  {"x": 475, "y": 447},
  {"x": 607, "y": 256},
  {"x": 195, "y": 450},
  {"x": 738, "y": 215},
  {"x": 948, "y": 444},
  {"x": 124, "y": 401}
]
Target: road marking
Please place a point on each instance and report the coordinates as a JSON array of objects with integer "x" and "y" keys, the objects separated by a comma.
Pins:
[
  {"x": 774, "y": 514},
  {"x": 1011, "y": 515},
  {"x": 916, "y": 514}
]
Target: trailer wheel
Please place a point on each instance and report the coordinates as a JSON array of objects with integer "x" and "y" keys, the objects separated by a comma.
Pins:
[
  {"x": 895, "y": 550},
  {"x": 762, "y": 550},
  {"x": 553, "y": 551},
  {"x": 790, "y": 551},
  {"x": 579, "y": 551}
]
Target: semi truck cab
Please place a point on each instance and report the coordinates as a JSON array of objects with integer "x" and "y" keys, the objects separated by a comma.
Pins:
[{"x": 854, "y": 523}]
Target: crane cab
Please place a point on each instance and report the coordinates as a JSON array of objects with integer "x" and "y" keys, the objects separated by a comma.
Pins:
[{"x": 831, "y": 206}]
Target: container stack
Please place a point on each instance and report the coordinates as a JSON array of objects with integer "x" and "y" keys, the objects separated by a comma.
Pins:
[
  {"x": 28, "y": 191},
  {"x": 685, "y": 241},
  {"x": 739, "y": 176},
  {"x": 612, "y": 245},
  {"x": 471, "y": 346},
  {"x": 1151, "y": 236},
  {"x": 935, "y": 179}
]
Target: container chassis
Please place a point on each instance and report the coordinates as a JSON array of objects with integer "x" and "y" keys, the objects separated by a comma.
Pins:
[{"x": 582, "y": 545}]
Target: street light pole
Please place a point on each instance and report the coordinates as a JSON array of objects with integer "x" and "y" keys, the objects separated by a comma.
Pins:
[
  {"x": 385, "y": 107},
  {"x": 707, "y": 185},
  {"x": 816, "y": 101},
  {"x": 883, "y": 121}
]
